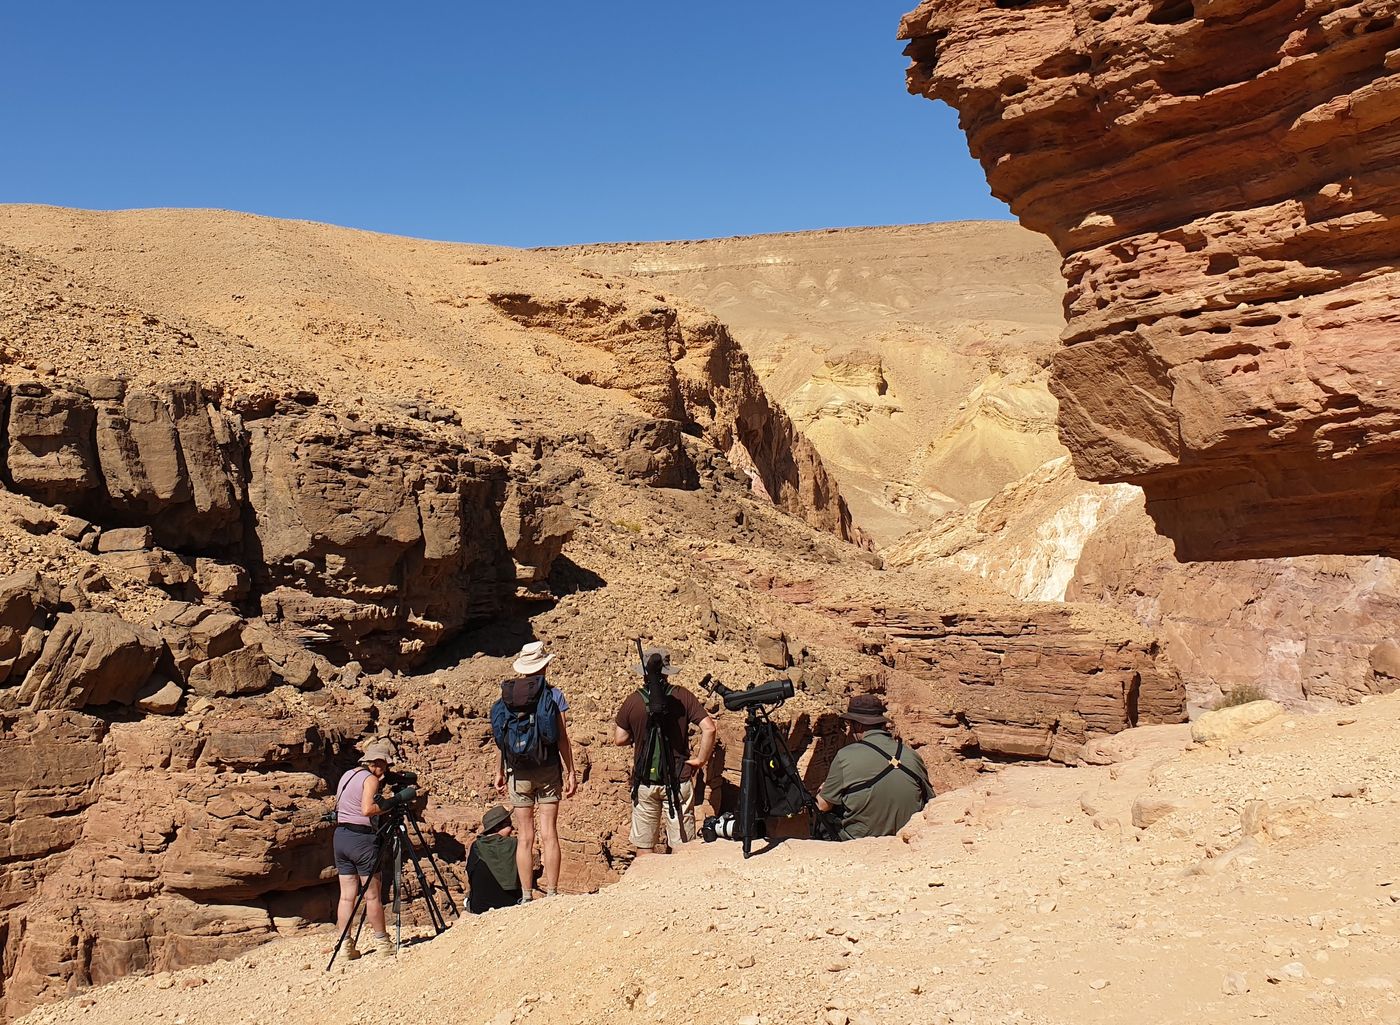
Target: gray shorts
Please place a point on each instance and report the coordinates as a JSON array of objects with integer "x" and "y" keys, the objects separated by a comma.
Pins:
[{"x": 355, "y": 852}]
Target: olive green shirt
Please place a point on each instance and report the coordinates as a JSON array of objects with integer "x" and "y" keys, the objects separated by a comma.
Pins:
[{"x": 881, "y": 810}]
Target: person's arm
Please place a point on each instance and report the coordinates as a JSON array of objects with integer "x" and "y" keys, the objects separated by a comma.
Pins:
[
  {"x": 566, "y": 755},
  {"x": 369, "y": 796},
  {"x": 621, "y": 737},
  {"x": 826, "y": 797},
  {"x": 501, "y": 772},
  {"x": 708, "y": 735}
]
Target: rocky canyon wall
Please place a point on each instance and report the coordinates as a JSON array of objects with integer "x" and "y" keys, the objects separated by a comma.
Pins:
[{"x": 1220, "y": 179}]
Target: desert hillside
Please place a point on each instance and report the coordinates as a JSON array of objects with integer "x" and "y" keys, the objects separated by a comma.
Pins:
[
  {"x": 913, "y": 357},
  {"x": 1250, "y": 878},
  {"x": 272, "y": 489}
]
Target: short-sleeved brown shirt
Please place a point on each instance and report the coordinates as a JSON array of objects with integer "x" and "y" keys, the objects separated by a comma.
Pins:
[{"x": 682, "y": 710}]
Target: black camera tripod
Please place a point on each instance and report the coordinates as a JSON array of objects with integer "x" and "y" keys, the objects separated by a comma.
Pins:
[
  {"x": 392, "y": 844},
  {"x": 769, "y": 783}
]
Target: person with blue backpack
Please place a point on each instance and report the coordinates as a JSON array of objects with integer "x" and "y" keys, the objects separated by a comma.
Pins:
[{"x": 534, "y": 763}]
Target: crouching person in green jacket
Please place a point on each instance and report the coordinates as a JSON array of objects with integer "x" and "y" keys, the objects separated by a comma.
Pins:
[{"x": 491, "y": 871}]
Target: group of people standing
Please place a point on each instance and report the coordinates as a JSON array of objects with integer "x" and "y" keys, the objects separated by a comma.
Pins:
[{"x": 875, "y": 784}]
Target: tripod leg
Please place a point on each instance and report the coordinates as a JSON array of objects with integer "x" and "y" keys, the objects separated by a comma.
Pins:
[
  {"x": 426, "y": 888},
  {"x": 748, "y": 779},
  {"x": 398, "y": 891},
  {"x": 437, "y": 870}
]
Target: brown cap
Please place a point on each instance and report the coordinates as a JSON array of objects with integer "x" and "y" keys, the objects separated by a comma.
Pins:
[
  {"x": 494, "y": 819},
  {"x": 866, "y": 709}
]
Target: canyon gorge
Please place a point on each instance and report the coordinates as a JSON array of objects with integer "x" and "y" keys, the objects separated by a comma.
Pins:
[{"x": 274, "y": 488}]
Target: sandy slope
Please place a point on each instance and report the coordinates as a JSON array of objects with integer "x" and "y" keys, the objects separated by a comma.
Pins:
[
  {"x": 912, "y": 356},
  {"x": 1029, "y": 899}
]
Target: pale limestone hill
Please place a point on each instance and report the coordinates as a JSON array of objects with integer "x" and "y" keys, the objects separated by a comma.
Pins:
[{"x": 913, "y": 356}]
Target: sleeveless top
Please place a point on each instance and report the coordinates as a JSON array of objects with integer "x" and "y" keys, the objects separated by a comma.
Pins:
[{"x": 350, "y": 797}]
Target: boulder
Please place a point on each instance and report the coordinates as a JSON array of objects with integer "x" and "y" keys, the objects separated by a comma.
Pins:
[
  {"x": 1150, "y": 808},
  {"x": 26, "y": 609},
  {"x": 1385, "y": 666},
  {"x": 90, "y": 658},
  {"x": 771, "y": 648},
  {"x": 221, "y": 581},
  {"x": 244, "y": 671},
  {"x": 50, "y": 453},
  {"x": 1227, "y": 723},
  {"x": 197, "y": 633},
  {"x": 158, "y": 568},
  {"x": 125, "y": 539},
  {"x": 652, "y": 452},
  {"x": 160, "y": 696},
  {"x": 537, "y": 526}
]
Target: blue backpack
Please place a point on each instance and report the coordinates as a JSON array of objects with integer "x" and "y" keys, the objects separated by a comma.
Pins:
[{"x": 525, "y": 722}]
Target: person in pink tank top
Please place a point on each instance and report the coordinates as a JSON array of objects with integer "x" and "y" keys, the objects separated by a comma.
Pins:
[{"x": 356, "y": 846}]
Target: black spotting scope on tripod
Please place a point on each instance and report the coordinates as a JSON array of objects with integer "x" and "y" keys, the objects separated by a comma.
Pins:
[
  {"x": 393, "y": 845},
  {"x": 769, "y": 783}
]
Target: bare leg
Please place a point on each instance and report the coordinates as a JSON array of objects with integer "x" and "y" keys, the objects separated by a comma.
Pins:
[
  {"x": 374, "y": 907},
  {"x": 524, "y": 819},
  {"x": 349, "y": 889},
  {"x": 549, "y": 845}
]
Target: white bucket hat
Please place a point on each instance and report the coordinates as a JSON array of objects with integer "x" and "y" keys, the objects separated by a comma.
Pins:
[{"x": 531, "y": 659}]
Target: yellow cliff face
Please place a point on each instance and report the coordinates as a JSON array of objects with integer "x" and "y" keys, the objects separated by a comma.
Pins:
[{"x": 913, "y": 357}]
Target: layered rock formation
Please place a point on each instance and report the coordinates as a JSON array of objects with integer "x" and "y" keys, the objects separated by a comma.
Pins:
[
  {"x": 1219, "y": 179},
  {"x": 1310, "y": 628},
  {"x": 1021, "y": 682},
  {"x": 377, "y": 543}
]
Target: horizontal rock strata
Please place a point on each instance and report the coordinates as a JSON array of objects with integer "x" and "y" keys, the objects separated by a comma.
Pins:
[
  {"x": 1220, "y": 180},
  {"x": 1030, "y": 682}
]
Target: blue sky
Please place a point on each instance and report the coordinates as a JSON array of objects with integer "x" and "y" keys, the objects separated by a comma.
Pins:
[{"x": 511, "y": 123}]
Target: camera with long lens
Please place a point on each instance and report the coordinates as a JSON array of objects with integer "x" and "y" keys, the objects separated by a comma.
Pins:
[
  {"x": 724, "y": 826},
  {"x": 400, "y": 790},
  {"x": 774, "y": 692}
]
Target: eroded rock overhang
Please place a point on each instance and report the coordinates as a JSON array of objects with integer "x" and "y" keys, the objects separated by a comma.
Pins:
[{"x": 1222, "y": 179}]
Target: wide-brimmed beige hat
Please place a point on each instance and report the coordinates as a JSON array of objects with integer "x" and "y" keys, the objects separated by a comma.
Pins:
[
  {"x": 378, "y": 751},
  {"x": 531, "y": 659}
]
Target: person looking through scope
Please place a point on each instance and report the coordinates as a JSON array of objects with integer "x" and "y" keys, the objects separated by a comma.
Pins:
[
  {"x": 356, "y": 852},
  {"x": 657, "y": 717}
]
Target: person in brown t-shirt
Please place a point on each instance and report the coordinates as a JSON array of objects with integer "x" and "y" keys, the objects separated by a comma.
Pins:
[{"x": 650, "y": 802}]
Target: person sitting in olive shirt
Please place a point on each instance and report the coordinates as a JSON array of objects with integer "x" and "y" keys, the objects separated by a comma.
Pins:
[
  {"x": 491, "y": 872},
  {"x": 876, "y": 784}
]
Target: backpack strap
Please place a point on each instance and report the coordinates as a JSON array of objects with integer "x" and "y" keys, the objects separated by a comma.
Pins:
[{"x": 895, "y": 762}]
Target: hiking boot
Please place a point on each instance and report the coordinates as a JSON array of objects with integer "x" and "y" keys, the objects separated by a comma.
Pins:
[
  {"x": 383, "y": 944},
  {"x": 523, "y": 901},
  {"x": 350, "y": 951}
]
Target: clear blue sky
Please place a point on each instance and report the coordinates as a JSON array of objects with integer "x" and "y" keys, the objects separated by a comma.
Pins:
[{"x": 505, "y": 122}]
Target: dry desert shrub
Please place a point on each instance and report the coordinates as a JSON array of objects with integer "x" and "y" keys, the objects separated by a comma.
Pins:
[{"x": 1241, "y": 695}]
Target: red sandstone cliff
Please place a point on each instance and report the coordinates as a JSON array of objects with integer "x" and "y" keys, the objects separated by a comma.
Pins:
[{"x": 1220, "y": 179}]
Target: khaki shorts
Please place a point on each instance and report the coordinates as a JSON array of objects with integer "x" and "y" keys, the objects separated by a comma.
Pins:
[
  {"x": 647, "y": 813},
  {"x": 529, "y": 787}
]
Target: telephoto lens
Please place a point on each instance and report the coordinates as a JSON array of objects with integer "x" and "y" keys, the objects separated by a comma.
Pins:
[{"x": 719, "y": 827}]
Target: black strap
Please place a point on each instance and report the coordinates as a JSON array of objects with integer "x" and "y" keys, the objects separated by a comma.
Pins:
[
  {"x": 894, "y": 763},
  {"x": 340, "y": 792}
]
